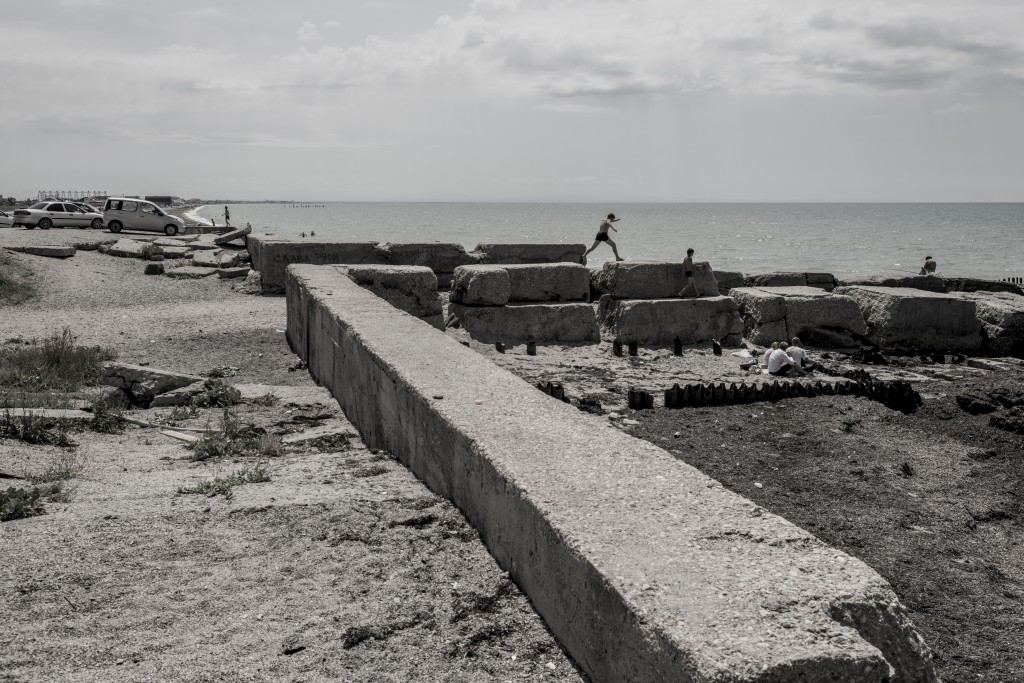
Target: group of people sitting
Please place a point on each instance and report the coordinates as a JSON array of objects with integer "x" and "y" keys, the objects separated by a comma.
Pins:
[{"x": 783, "y": 359}]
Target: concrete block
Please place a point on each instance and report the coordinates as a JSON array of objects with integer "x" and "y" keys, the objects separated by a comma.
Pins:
[
  {"x": 913, "y": 320},
  {"x": 1002, "y": 320},
  {"x": 270, "y": 256},
  {"x": 481, "y": 286},
  {"x": 138, "y": 378},
  {"x": 179, "y": 397},
  {"x": 516, "y": 323},
  {"x": 438, "y": 256},
  {"x": 776, "y": 280},
  {"x": 206, "y": 259},
  {"x": 129, "y": 248},
  {"x": 412, "y": 289},
  {"x": 548, "y": 282},
  {"x": 51, "y": 251},
  {"x": 529, "y": 253},
  {"x": 231, "y": 273},
  {"x": 660, "y": 321},
  {"x": 190, "y": 272},
  {"x": 684, "y": 582},
  {"x": 727, "y": 279},
  {"x": 653, "y": 279},
  {"x": 233, "y": 235},
  {"x": 826, "y": 281},
  {"x": 177, "y": 252},
  {"x": 818, "y": 317}
]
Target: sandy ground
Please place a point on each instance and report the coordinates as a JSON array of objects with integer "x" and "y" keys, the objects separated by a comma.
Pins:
[{"x": 342, "y": 567}]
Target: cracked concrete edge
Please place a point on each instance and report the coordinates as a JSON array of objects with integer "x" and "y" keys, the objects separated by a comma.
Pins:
[{"x": 644, "y": 568}]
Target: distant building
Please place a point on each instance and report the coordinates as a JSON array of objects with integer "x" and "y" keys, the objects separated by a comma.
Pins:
[{"x": 163, "y": 200}]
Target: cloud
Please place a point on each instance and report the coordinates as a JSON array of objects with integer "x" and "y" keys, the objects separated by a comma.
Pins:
[{"x": 308, "y": 32}]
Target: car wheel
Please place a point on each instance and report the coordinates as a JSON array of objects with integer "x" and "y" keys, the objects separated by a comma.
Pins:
[
  {"x": 97, "y": 223},
  {"x": 171, "y": 230},
  {"x": 45, "y": 224},
  {"x": 115, "y": 226},
  {"x": 29, "y": 227}
]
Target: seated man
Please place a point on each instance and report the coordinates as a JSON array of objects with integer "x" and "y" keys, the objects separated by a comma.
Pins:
[
  {"x": 779, "y": 363},
  {"x": 929, "y": 266},
  {"x": 768, "y": 353},
  {"x": 799, "y": 356}
]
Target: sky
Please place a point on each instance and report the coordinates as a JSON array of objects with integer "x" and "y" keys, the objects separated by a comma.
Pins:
[{"x": 515, "y": 100}]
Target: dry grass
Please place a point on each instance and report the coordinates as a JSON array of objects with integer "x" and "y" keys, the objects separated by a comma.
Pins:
[
  {"x": 58, "y": 364},
  {"x": 222, "y": 485}
]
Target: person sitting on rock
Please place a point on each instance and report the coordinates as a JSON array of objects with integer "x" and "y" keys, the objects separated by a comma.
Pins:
[
  {"x": 691, "y": 284},
  {"x": 779, "y": 363},
  {"x": 929, "y": 266},
  {"x": 768, "y": 353},
  {"x": 799, "y": 356}
]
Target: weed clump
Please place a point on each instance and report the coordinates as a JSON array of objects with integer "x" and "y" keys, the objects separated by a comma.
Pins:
[
  {"x": 222, "y": 485},
  {"x": 19, "y": 503},
  {"x": 58, "y": 364},
  {"x": 217, "y": 394},
  {"x": 35, "y": 429}
]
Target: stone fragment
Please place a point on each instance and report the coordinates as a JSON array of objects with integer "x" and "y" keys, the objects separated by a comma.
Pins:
[
  {"x": 913, "y": 320},
  {"x": 154, "y": 268},
  {"x": 179, "y": 397},
  {"x": 130, "y": 249},
  {"x": 529, "y": 253},
  {"x": 653, "y": 279},
  {"x": 206, "y": 259},
  {"x": 140, "y": 379},
  {"x": 190, "y": 272},
  {"x": 323, "y": 431},
  {"x": 481, "y": 286},
  {"x": 661, "y": 321},
  {"x": 1002, "y": 318},
  {"x": 177, "y": 252},
  {"x": 231, "y": 273},
  {"x": 173, "y": 241},
  {"x": 233, "y": 235},
  {"x": 517, "y": 323},
  {"x": 51, "y": 251},
  {"x": 776, "y": 280},
  {"x": 727, "y": 279},
  {"x": 412, "y": 289}
]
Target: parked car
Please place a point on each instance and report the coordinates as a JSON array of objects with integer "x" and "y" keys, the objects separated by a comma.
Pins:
[
  {"x": 87, "y": 207},
  {"x": 6, "y": 220},
  {"x": 138, "y": 214},
  {"x": 60, "y": 214}
]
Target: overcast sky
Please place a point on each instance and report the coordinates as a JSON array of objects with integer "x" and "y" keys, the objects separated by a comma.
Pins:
[{"x": 519, "y": 100}]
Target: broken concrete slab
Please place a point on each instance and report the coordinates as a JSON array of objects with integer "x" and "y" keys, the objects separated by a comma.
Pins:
[
  {"x": 688, "y": 581},
  {"x": 548, "y": 282},
  {"x": 139, "y": 379},
  {"x": 176, "y": 252},
  {"x": 932, "y": 283},
  {"x": 173, "y": 241},
  {"x": 51, "y": 251},
  {"x": 661, "y": 321},
  {"x": 179, "y": 397},
  {"x": 481, "y": 286},
  {"x": 776, "y": 280},
  {"x": 47, "y": 413},
  {"x": 440, "y": 257},
  {"x": 206, "y": 259},
  {"x": 334, "y": 428},
  {"x": 727, "y": 279},
  {"x": 818, "y": 317},
  {"x": 517, "y": 323},
  {"x": 1002, "y": 319},
  {"x": 412, "y": 289},
  {"x": 287, "y": 395},
  {"x": 270, "y": 256},
  {"x": 529, "y": 253},
  {"x": 130, "y": 249},
  {"x": 653, "y": 279},
  {"x": 913, "y": 320},
  {"x": 190, "y": 272},
  {"x": 231, "y": 273},
  {"x": 233, "y": 235}
]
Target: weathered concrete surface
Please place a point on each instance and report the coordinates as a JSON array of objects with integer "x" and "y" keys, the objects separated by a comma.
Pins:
[
  {"x": 644, "y": 568},
  {"x": 51, "y": 251},
  {"x": 727, "y": 279},
  {"x": 412, "y": 289},
  {"x": 179, "y": 397},
  {"x": 515, "y": 323},
  {"x": 818, "y": 317},
  {"x": 1002, "y": 320},
  {"x": 270, "y": 256},
  {"x": 231, "y": 273},
  {"x": 902, "y": 319},
  {"x": 233, "y": 235},
  {"x": 653, "y": 279},
  {"x": 129, "y": 248},
  {"x": 529, "y": 253},
  {"x": 141, "y": 379},
  {"x": 496, "y": 285},
  {"x": 287, "y": 395},
  {"x": 938, "y": 284},
  {"x": 206, "y": 259},
  {"x": 190, "y": 272},
  {"x": 438, "y": 256},
  {"x": 177, "y": 252},
  {"x": 481, "y": 286},
  {"x": 660, "y": 321}
]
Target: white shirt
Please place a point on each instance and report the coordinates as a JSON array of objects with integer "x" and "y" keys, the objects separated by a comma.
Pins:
[
  {"x": 798, "y": 355},
  {"x": 767, "y": 355},
  {"x": 778, "y": 359}
]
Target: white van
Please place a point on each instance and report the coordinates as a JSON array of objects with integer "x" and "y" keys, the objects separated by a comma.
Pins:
[{"x": 138, "y": 214}]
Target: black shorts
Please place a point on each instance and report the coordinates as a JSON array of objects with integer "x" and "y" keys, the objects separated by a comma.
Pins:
[
  {"x": 602, "y": 237},
  {"x": 782, "y": 371},
  {"x": 689, "y": 273}
]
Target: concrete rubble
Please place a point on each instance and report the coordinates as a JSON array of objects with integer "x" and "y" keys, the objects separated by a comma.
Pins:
[
  {"x": 825, "y": 281},
  {"x": 129, "y": 248},
  {"x": 51, "y": 251},
  {"x": 190, "y": 272},
  {"x": 529, "y": 253},
  {"x": 661, "y": 321},
  {"x": 818, "y": 317},
  {"x": 143, "y": 380},
  {"x": 686, "y": 582},
  {"x": 1002, "y": 320},
  {"x": 653, "y": 279},
  {"x": 231, "y": 273},
  {"x": 233, "y": 235},
  {"x": 914, "y": 320}
]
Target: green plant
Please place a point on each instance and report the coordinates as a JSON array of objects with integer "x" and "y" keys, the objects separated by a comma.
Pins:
[
  {"x": 269, "y": 445},
  {"x": 18, "y": 503},
  {"x": 223, "y": 485},
  {"x": 63, "y": 465},
  {"x": 35, "y": 429},
  {"x": 58, "y": 364},
  {"x": 216, "y": 394},
  {"x": 106, "y": 418},
  {"x": 266, "y": 400}
]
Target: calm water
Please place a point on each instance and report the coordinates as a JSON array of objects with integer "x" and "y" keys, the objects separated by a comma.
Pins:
[{"x": 977, "y": 240}]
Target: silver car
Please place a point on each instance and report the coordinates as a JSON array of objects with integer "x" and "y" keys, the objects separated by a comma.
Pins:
[
  {"x": 6, "y": 220},
  {"x": 47, "y": 215},
  {"x": 138, "y": 214}
]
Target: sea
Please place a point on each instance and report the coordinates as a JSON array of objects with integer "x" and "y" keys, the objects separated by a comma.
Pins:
[{"x": 967, "y": 240}]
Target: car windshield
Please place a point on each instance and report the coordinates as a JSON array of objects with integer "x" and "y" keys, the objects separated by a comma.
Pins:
[{"x": 40, "y": 205}]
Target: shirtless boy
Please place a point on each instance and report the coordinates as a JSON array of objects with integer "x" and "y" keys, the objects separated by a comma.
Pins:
[
  {"x": 691, "y": 284},
  {"x": 602, "y": 236}
]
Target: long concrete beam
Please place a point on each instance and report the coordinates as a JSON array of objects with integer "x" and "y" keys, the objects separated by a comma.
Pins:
[{"x": 643, "y": 567}]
